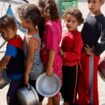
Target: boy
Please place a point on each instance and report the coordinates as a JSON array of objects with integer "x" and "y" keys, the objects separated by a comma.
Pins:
[
  {"x": 93, "y": 30},
  {"x": 13, "y": 60}
]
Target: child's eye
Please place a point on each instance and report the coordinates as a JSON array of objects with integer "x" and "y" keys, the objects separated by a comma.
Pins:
[{"x": 68, "y": 21}]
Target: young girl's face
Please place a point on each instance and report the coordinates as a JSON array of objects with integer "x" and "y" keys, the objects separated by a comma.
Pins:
[
  {"x": 94, "y": 5},
  {"x": 24, "y": 23},
  {"x": 71, "y": 22},
  {"x": 47, "y": 15},
  {"x": 8, "y": 34}
]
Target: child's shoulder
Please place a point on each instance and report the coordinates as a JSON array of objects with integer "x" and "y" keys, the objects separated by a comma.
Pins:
[
  {"x": 16, "y": 41},
  {"x": 101, "y": 19}
]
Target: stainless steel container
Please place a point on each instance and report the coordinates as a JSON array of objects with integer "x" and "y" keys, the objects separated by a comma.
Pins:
[
  {"x": 27, "y": 96},
  {"x": 3, "y": 79}
]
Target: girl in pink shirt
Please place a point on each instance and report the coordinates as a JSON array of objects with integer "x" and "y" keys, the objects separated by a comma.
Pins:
[{"x": 50, "y": 43}]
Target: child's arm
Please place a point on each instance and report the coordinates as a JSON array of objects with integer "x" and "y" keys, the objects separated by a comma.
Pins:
[
  {"x": 99, "y": 47},
  {"x": 61, "y": 51},
  {"x": 51, "y": 57},
  {"x": 11, "y": 51},
  {"x": 88, "y": 50},
  {"x": 74, "y": 54},
  {"x": 4, "y": 61},
  {"x": 32, "y": 45}
]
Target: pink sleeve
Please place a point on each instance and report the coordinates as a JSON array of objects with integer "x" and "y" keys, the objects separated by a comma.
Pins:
[{"x": 52, "y": 42}]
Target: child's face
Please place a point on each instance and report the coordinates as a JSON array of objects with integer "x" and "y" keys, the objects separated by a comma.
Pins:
[
  {"x": 71, "y": 22},
  {"x": 94, "y": 5},
  {"x": 42, "y": 11},
  {"x": 8, "y": 34},
  {"x": 24, "y": 23},
  {"x": 47, "y": 14}
]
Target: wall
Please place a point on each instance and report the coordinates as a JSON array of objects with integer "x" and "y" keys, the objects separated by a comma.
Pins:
[{"x": 82, "y": 5}]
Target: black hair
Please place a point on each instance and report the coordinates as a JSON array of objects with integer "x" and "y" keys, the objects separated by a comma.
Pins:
[
  {"x": 42, "y": 3},
  {"x": 32, "y": 12},
  {"x": 53, "y": 9},
  {"x": 76, "y": 13},
  {"x": 7, "y": 22}
]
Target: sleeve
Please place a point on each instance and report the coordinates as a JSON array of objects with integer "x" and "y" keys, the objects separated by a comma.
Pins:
[
  {"x": 52, "y": 42},
  {"x": 11, "y": 50},
  {"x": 75, "y": 54},
  {"x": 100, "y": 46}
]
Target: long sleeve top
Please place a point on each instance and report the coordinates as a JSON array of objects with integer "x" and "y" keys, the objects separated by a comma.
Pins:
[
  {"x": 93, "y": 30},
  {"x": 72, "y": 46}
]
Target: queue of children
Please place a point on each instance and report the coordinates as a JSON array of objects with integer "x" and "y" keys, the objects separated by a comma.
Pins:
[{"x": 73, "y": 56}]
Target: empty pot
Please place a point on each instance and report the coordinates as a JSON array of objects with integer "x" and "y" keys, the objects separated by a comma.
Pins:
[{"x": 27, "y": 95}]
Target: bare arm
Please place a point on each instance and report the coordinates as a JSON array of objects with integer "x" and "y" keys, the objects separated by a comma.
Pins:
[
  {"x": 4, "y": 61},
  {"x": 32, "y": 45},
  {"x": 50, "y": 62}
]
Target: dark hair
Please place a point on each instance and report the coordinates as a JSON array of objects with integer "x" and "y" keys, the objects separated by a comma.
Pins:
[
  {"x": 42, "y": 3},
  {"x": 76, "y": 13},
  {"x": 31, "y": 12},
  {"x": 7, "y": 22},
  {"x": 52, "y": 7}
]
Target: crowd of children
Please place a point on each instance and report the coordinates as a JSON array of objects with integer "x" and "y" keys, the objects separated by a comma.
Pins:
[{"x": 72, "y": 55}]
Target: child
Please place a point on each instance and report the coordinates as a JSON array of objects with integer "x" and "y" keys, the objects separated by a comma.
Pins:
[
  {"x": 13, "y": 60},
  {"x": 70, "y": 51},
  {"x": 93, "y": 30},
  {"x": 30, "y": 17},
  {"x": 42, "y": 4},
  {"x": 50, "y": 43}
]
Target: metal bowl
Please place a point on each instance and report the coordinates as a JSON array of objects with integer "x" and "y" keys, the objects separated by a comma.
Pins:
[
  {"x": 4, "y": 80},
  {"x": 48, "y": 86}
]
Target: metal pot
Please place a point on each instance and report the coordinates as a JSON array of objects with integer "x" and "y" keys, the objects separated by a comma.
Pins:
[
  {"x": 27, "y": 95},
  {"x": 3, "y": 79},
  {"x": 101, "y": 68}
]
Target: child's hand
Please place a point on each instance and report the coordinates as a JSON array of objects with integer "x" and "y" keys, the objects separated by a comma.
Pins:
[
  {"x": 88, "y": 50},
  {"x": 61, "y": 51},
  {"x": 49, "y": 72},
  {"x": 26, "y": 79}
]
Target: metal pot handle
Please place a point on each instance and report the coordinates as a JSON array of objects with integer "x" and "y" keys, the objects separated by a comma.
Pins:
[{"x": 28, "y": 86}]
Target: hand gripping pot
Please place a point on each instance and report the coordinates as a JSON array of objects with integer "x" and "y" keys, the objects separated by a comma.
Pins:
[
  {"x": 101, "y": 68},
  {"x": 4, "y": 80},
  {"x": 27, "y": 95}
]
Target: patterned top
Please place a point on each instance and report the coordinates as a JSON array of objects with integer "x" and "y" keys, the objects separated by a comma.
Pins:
[{"x": 37, "y": 67}]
